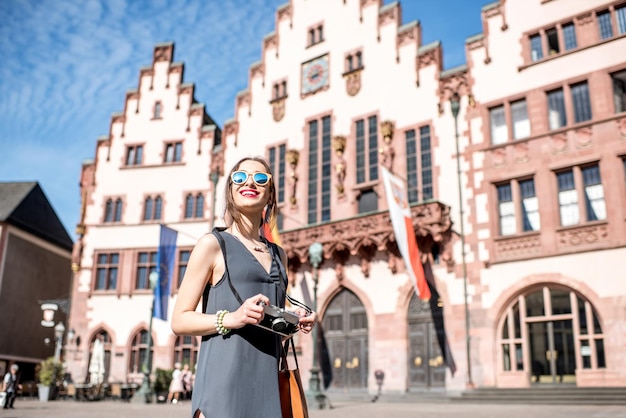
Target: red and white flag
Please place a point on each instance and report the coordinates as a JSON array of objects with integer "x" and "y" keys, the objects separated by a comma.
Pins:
[{"x": 400, "y": 214}]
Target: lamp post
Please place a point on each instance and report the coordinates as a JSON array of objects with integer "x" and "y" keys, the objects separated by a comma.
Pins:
[
  {"x": 145, "y": 389},
  {"x": 319, "y": 399},
  {"x": 59, "y": 330},
  {"x": 455, "y": 105}
]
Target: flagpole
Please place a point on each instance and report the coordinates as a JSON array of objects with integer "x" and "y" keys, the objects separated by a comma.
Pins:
[
  {"x": 145, "y": 389},
  {"x": 455, "y": 106}
]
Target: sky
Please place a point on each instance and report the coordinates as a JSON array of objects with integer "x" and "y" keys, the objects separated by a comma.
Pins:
[{"x": 65, "y": 67}]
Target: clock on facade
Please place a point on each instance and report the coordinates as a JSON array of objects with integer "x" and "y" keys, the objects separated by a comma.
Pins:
[{"x": 315, "y": 74}]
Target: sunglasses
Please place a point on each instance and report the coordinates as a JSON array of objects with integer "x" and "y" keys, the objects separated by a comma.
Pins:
[{"x": 240, "y": 177}]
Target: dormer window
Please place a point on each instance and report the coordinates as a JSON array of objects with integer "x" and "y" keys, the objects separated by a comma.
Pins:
[
  {"x": 279, "y": 90},
  {"x": 354, "y": 61},
  {"x": 315, "y": 34},
  {"x": 158, "y": 107}
]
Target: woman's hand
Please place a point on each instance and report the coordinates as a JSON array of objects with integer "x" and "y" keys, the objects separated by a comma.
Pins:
[
  {"x": 307, "y": 320},
  {"x": 250, "y": 312}
]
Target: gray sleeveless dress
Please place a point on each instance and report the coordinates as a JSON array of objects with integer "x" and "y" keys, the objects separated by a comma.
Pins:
[{"x": 237, "y": 374}]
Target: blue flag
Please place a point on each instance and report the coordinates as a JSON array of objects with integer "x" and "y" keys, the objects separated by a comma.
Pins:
[{"x": 165, "y": 264}]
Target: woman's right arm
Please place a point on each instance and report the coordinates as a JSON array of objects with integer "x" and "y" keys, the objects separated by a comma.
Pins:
[
  {"x": 205, "y": 266},
  {"x": 200, "y": 270}
]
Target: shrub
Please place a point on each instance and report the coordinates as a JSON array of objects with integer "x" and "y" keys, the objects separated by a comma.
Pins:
[{"x": 50, "y": 371}]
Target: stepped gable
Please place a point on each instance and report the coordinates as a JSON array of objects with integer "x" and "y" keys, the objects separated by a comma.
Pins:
[{"x": 25, "y": 206}]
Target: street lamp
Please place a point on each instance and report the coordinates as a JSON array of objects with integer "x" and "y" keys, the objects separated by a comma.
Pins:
[
  {"x": 315, "y": 257},
  {"x": 455, "y": 105},
  {"x": 145, "y": 389},
  {"x": 59, "y": 330}
]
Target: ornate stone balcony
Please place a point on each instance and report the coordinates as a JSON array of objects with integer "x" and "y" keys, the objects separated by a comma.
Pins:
[{"x": 364, "y": 236}]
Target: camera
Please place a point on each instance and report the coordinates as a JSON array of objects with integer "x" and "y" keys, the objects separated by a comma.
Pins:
[{"x": 279, "y": 320}]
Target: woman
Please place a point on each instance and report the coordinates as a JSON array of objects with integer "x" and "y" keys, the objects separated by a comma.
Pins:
[
  {"x": 176, "y": 385},
  {"x": 237, "y": 374}
]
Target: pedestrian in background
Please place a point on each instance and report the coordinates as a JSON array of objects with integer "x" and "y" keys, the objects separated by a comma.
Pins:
[
  {"x": 10, "y": 385},
  {"x": 186, "y": 378},
  {"x": 176, "y": 385}
]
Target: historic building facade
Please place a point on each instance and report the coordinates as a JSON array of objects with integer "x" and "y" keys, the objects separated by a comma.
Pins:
[{"x": 519, "y": 155}]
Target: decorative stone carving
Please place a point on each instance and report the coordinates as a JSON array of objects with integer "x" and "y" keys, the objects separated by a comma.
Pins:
[
  {"x": 558, "y": 142},
  {"x": 386, "y": 151},
  {"x": 353, "y": 82},
  {"x": 517, "y": 247},
  {"x": 339, "y": 145},
  {"x": 585, "y": 236},
  {"x": 583, "y": 137},
  {"x": 292, "y": 159},
  {"x": 498, "y": 157},
  {"x": 521, "y": 152},
  {"x": 278, "y": 109}
]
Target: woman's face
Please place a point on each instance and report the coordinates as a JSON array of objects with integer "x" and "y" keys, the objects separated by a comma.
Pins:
[{"x": 249, "y": 194}]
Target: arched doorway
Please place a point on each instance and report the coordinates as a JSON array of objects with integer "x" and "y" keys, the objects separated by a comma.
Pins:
[
  {"x": 426, "y": 366},
  {"x": 551, "y": 332},
  {"x": 346, "y": 331}
]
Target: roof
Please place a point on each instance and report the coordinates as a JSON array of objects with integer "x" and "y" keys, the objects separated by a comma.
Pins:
[{"x": 25, "y": 206}]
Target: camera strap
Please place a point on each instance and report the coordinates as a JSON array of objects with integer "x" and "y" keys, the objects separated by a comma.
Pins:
[{"x": 281, "y": 271}]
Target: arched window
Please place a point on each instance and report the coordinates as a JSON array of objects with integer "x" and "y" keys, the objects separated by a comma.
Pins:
[
  {"x": 138, "y": 352},
  {"x": 189, "y": 206},
  {"x": 199, "y": 206},
  {"x": 108, "y": 211},
  {"x": 186, "y": 350},
  {"x": 147, "y": 209},
  {"x": 550, "y": 333},
  {"x": 118, "y": 210},
  {"x": 158, "y": 207},
  {"x": 158, "y": 107}
]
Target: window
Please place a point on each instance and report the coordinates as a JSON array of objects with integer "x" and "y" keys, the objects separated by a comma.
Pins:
[
  {"x": 173, "y": 152},
  {"x": 146, "y": 264},
  {"x": 568, "y": 198},
  {"x": 619, "y": 91},
  {"x": 367, "y": 150},
  {"x": 413, "y": 168},
  {"x": 318, "y": 203},
  {"x": 536, "y": 50},
  {"x": 499, "y": 131},
  {"x": 594, "y": 194},
  {"x": 519, "y": 116},
  {"x": 186, "y": 350},
  {"x": 553, "y": 41},
  {"x": 194, "y": 206},
  {"x": 582, "y": 104},
  {"x": 106, "y": 271},
  {"x": 134, "y": 155},
  {"x": 556, "y": 109},
  {"x": 620, "y": 13},
  {"x": 530, "y": 206},
  {"x": 276, "y": 160},
  {"x": 354, "y": 61},
  {"x": 569, "y": 36},
  {"x": 113, "y": 210},
  {"x": 138, "y": 352},
  {"x": 279, "y": 90},
  {"x": 157, "y": 110},
  {"x": 367, "y": 201},
  {"x": 152, "y": 208},
  {"x": 316, "y": 35},
  {"x": 183, "y": 259},
  {"x": 506, "y": 209},
  {"x": 604, "y": 22}
]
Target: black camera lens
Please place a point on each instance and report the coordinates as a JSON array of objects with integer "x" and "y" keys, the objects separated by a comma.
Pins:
[{"x": 279, "y": 324}]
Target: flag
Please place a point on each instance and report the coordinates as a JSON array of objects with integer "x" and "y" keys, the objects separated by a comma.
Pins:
[
  {"x": 436, "y": 309},
  {"x": 165, "y": 262},
  {"x": 270, "y": 231},
  {"x": 322, "y": 347},
  {"x": 400, "y": 214}
]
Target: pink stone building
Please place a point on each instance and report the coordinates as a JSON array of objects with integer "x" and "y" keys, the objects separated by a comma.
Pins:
[{"x": 520, "y": 155}]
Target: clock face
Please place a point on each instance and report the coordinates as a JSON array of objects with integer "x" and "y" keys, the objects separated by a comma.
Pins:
[{"x": 315, "y": 74}]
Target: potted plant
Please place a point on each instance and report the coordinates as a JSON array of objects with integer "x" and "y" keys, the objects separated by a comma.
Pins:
[
  {"x": 50, "y": 372},
  {"x": 161, "y": 387}
]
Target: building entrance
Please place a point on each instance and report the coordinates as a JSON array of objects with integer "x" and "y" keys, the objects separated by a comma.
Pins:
[
  {"x": 426, "y": 367},
  {"x": 346, "y": 330}
]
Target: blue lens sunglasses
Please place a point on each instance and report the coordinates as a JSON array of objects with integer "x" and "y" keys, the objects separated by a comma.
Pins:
[{"x": 240, "y": 177}]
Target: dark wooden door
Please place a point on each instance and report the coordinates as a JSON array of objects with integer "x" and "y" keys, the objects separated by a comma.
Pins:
[
  {"x": 426, "y": 368},
  {"x": 345, "y": 327}
]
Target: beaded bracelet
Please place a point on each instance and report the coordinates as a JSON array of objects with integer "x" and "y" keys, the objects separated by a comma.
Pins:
[{"x": 219, "y": 322}]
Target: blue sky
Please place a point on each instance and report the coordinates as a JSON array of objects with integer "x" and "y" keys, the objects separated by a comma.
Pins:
[{"x": 67, "y": 64}]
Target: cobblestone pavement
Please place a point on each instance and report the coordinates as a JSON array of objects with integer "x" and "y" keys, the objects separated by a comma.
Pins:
[{"x": 113, "y": 409}]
